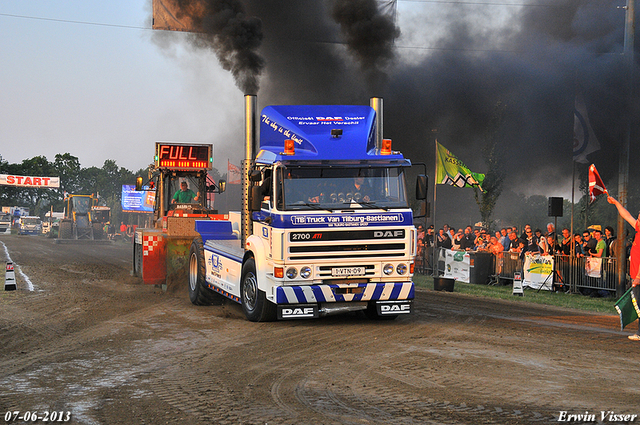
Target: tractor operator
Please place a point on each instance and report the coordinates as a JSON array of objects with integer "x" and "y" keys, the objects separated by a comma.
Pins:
[{"x": 185, "y": 195}]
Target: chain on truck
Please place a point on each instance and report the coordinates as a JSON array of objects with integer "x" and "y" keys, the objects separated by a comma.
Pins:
[
  {"x": 160, "y": 252},
  {"x": 326, "y": 225}
]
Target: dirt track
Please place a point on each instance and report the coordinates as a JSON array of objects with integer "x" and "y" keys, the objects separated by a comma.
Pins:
[{"x": 93, "y": 341}]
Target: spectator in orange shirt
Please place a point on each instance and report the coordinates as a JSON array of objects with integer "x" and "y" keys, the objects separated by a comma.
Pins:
[{"x": 496, "y": 248}]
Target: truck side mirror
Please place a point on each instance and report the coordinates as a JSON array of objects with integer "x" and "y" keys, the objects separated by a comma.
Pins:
[
  {"x": 255, "y": 176},
  {"x": 255, "y": 198},
  {"x": 422, "y": 182},
  {"x": 138, "y": 184},
  {"x": 222, "y": 186}
]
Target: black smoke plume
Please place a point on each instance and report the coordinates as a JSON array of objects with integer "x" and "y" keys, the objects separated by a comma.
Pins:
[
  {"x": 369, "y": 34},
  {"x": 224, "y": 27},
  {"x": 535, "y": 65}
]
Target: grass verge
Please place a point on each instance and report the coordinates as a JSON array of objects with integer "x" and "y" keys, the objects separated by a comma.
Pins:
[{"x": 577, "y": 301}]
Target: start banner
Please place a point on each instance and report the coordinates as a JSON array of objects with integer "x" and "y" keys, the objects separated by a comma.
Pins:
[{"x": 29, "y": 181}]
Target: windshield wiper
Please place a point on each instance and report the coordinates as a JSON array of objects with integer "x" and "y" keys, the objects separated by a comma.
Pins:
[
  {"x": 308, "y": 204},
  {"x": 367, "y": 204}
]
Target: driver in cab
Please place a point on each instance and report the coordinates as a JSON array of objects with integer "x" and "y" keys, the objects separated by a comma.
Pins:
[
  {"x": 185, "y": 195},
  {"x": 359, "y": 190}
]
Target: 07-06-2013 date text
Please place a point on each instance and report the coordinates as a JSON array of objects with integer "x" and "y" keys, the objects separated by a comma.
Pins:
[{"x": 45, "y": 416}]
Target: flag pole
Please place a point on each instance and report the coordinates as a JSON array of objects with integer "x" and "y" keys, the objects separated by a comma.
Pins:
[
  {"x": 573, "y": 190},
  {"x": 435, "y": 188},
  {"x": 572, "y": 253},
  {"x": 623, "y": 165}
]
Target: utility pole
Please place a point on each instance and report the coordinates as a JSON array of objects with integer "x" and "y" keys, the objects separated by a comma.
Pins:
[{"x": 623, "y": 169}]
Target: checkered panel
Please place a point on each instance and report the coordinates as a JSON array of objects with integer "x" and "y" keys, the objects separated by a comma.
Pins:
[{"x": 149, "y": 243}]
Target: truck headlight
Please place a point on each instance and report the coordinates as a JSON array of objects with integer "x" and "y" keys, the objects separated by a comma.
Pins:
[
  {"x": 291, "y": 273},
  {"x": 305, "y": 272},
  {"x": 388, "y": 268},
  {"x": 401, "y": 269}
]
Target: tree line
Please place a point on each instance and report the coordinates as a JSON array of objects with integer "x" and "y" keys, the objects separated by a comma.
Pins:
[{"x": 105, "y": 182}]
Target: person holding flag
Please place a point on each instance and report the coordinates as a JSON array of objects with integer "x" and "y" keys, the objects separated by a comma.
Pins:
[
  {"x": 634, "y": 261},
  {"x": 596, "y": 186}
]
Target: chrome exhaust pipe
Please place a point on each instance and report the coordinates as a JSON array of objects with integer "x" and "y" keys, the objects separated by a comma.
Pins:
[
  {"x": 250, "y": 136},
  {"x": 376, "y": 104}
]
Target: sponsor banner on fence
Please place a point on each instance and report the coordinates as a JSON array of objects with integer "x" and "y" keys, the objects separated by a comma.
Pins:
[
  {"x": 593, "y": 266},
  {"x": 29, "y": 181},
  {"x": 456, "y": 265},
  {"x": 537, "y": 271}
]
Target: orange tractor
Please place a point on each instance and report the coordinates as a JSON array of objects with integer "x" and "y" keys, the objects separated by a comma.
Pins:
[{"x": 160, "y": 253}]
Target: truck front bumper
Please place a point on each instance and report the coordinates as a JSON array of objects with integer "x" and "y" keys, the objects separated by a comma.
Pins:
[
  {"x": 387, "y": 291},
  {"x": 312, "y": 311}
]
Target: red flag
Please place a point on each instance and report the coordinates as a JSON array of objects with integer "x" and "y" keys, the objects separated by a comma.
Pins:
[
  {"x": 234, "y": 174},
  {"x": 596, "y": 187}
]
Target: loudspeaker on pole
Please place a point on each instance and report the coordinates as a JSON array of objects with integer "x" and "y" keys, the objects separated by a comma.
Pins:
[
  {"x": 10, "y": 278},
  {"x": 555, "y": 207}
]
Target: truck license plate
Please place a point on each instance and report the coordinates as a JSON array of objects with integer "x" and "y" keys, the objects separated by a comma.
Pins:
[{"x": 347, "y": 271}]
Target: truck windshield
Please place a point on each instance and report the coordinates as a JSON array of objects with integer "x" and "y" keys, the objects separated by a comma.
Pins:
[
  {"x": 306, "y": 188},
  {"x": 184, "y": 194},
  {"x": 81, "y": 204},
  {"x": 30, "y": 220}
]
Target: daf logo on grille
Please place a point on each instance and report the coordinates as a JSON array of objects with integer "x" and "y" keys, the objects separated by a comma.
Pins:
[{"x": 387, "y": 234}]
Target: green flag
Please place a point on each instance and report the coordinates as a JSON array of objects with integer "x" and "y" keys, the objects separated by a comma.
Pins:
[
  {"x": 627, "y": 307},
  {"x": 450, "y": 170}
]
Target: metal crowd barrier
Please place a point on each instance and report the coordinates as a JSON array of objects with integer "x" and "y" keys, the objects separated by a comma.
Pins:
[
  {"x": 570, "y": 273},
  {"x": 424, "y": 260}
]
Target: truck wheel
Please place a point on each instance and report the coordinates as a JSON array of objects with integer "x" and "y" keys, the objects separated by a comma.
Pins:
[
  {"x": 66, "y": 229},
  {"x": 254, "y": 301},
  {"x": 137, "y": 259},
  {"x": 199, "y": 293},
  {"x": 98, "y": 231},
  {"x": 372, "y": 313}
]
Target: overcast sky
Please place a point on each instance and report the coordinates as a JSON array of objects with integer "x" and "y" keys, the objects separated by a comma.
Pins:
[
  {"x": 92, "y": 79},
  {"x": 70, "y": 84}
]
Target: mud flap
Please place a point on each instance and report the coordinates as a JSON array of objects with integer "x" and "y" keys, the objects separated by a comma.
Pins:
[
  {"x": 298, "y": 311},
  {"x": 393, "y": 308}
]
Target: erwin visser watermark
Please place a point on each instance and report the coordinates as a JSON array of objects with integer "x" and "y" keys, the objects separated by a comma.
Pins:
[{"x": 603, "y": 416}]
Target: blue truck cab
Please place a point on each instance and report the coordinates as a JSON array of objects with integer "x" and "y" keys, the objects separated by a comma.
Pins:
[{"x": 331, "y": 226}]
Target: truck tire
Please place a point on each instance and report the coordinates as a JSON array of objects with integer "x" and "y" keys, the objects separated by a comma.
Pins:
[
  {"x": 199, "y": 293},
  {"x": 137, "y": 259},
  {"x": 98, "y": 231},
  {"x": 256, "y": 306},
  {"x": 66, "y": 230}
]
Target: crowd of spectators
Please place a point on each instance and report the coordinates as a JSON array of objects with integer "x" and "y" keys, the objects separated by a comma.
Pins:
[{"x": 590, "y": 243}]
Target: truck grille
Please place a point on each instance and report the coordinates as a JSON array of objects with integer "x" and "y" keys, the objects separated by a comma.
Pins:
[{"x": 319, "y": 245}]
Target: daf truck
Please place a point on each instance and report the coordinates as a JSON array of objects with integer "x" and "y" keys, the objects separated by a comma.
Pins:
[{"x": 326, "y": 226}]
